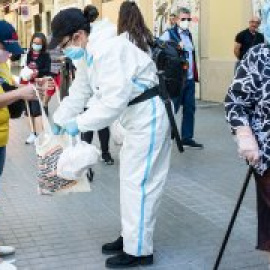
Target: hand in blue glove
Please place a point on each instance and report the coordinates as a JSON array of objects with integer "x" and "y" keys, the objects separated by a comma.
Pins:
[
  {"x": 57, "y": 130},
  {"x": 71, "y": 128}
]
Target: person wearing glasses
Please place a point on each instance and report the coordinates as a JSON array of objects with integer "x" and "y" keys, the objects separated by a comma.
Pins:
[
  {"x": 112, "y": 72},
  {"x": 247, "y": 38},
  {"x": 180, "y": 33}
]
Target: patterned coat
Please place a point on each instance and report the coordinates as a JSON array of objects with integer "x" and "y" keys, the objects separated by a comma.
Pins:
[{"x": 248, "y": 100}]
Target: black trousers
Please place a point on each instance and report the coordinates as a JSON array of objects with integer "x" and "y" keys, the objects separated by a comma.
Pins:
[{"x": 104, "y": 137}]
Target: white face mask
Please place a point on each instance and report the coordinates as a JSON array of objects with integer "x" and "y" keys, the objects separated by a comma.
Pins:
[
  {"x": 183, "y": 24},
  {"x": 4, "y": 56}
]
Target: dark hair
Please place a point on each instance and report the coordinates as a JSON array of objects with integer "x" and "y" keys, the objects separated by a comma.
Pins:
[
  {"x": 131, "y": 20},
  {"x": 43, "y": 41},
  {"x": 91, "y": 13}
]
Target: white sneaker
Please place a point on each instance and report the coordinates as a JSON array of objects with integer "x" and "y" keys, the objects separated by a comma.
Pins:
[
  {"x": 31, "y": 139},
  {"x": 6, "y": 250},
  {"x": 7, "y": 266}
]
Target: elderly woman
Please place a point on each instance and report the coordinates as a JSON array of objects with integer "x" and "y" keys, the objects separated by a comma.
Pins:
[{"x": 248, "y": 112}]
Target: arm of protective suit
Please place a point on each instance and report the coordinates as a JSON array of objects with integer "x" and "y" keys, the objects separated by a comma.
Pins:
[
  {"x": 240, "y": 99},
  {"x": 114, "y": 73},
  {"x": 79, "y": 93}
]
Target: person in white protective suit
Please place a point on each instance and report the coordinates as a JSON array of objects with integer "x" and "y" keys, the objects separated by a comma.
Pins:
[{"x": 111, "y": 73}]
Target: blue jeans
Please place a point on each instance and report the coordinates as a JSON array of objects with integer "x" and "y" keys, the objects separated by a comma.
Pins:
[
  {"x": 2, "y": 159},
  {"x": 187, "y": 100}
]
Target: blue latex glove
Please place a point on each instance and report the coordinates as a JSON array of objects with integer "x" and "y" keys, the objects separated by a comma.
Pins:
[
  {"x": 57, "y": 130},
  {"x": 71, "y": 128}
]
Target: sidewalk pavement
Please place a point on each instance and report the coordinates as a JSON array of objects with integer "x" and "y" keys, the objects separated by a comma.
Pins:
[{"x": 67, "y": 232}]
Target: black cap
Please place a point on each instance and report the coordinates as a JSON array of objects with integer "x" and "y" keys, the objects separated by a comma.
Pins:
[{"x": 66, "y": 23}]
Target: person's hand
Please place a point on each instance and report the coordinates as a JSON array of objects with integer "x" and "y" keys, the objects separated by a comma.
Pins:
[
  {"x": 34, "y": 74},
  {"x": 43, "y": 85},
  {"x": 26, "y": 92},
  {"x": 45, "y": 82},
  {"x": 71, "y": 128},
  {"x": 181, "y": 45},
  {"x": 50, "y": 83},
  {"x": 57, "y": 130},
  {"x": 32, "y": 65},
  {"x": 247, "y": 145}
]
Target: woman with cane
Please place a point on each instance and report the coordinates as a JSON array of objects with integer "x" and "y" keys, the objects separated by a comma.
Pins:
[{"x": 248, "y": 112}]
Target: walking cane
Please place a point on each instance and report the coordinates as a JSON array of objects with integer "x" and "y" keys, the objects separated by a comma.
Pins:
[{"x": 233, "y": 218}]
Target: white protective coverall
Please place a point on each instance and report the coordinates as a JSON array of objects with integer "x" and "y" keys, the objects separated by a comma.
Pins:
[{"x": 118, "y": 73}]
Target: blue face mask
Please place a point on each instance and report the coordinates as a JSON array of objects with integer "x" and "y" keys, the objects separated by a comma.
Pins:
[
  {"x": 37, "y": 47},
  {"x": 74, "y": 52}
]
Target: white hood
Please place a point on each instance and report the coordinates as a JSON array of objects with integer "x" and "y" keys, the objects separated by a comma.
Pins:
[{"x": 100, "y": 31}]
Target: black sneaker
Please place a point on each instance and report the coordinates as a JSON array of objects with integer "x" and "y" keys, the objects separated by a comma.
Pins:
[
  {"x": 193, "y": 144},
  {"x": 90, "y": 175},
  {"x": 125, "y": 260},
  {"x": 113, "y": 247},
  {"x": 46, "y": 109},
  {"x": 107, "y": 158}
]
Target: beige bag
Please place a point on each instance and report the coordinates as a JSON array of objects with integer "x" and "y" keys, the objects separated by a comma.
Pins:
[{"x": 49, "y": 148}]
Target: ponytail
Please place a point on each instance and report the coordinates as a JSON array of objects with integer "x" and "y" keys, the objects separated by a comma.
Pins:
[{"x": 90, "y": 13}]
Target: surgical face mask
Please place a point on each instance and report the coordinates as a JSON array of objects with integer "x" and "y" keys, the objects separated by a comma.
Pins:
[
  {"x": 37, "y": 47},
  {"x": 4, "y": 56},
  {"x": 74, "y": 52},
  {"x": 183, "y": 24}
]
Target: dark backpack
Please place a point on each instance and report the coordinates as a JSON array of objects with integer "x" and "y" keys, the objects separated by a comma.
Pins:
[{"x": 173, "y": 62}]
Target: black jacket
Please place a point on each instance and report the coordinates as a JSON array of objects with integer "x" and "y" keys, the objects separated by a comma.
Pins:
[
  {"x": 174, "y": 30},
  {"x": 43, "y": 63}
]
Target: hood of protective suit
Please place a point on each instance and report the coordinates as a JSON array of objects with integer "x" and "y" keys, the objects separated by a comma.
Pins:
[{"x": 100, "y": 31}]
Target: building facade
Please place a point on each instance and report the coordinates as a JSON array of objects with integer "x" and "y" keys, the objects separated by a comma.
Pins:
[{"x": 216, "y": 22}]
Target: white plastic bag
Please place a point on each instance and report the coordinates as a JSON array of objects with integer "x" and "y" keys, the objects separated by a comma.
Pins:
[
  {"x": 23, "y": 60},
  {"x": 26, "y": 73},
  {"x": 117, "y": 132},
  {"x": 76, "y": 160}
]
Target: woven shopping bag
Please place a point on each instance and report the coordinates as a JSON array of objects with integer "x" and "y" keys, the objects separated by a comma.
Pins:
[{"x": 49, "y": 148}]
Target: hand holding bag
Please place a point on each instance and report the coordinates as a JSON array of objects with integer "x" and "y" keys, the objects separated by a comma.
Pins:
[{"x": 49, "y": 148}]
